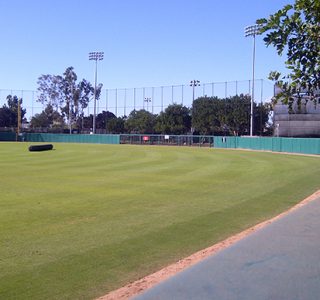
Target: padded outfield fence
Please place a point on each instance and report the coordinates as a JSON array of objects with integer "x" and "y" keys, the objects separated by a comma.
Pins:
[
  {"x": 276, "y": 144},
  {"x": 73, "y": 138},
  {"x": 61, "y": 138},
  {"x": 8, "y": 136}
]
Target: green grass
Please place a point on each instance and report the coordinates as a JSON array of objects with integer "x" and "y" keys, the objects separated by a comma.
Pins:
[{"x": 82, "y": 220}]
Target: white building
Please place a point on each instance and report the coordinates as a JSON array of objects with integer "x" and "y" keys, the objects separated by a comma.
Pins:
[{"x": 303, "y": 122}]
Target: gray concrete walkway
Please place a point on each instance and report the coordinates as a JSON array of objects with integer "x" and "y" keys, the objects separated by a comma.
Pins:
[{"x": 280, "y": 261}]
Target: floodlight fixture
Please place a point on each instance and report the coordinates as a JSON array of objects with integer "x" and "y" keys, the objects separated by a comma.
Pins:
[
  {"x": 147, "y": 99},
  {"x": 194, "y": 83},
  {"x": 96, "y": 56},
  {"x": 252, "y": 30}
]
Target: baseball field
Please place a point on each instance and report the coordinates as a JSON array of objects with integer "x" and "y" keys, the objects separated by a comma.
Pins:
[{"x": 81, "y": 220}]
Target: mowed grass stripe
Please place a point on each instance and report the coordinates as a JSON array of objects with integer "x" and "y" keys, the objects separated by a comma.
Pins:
[{"x": 81, "y": 220}]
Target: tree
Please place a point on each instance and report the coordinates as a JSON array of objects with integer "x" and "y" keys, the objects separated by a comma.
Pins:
[
  {"x": 230, "y": 116},
  {"x": 51, "y": 90},
  {"x": 261, "y": 116},
  {"x": 48, "y": 118},
  {"x": 65, "y": 95},
  {"x": 239, "y": 114},
  {"x": 204, "y": 115},
  {"x": 70, "y": 104},
  {"x": 86, "y": 122},
  {"x": 116, "y": 125},
  {"x": 5, "y": 117},
  {"x": 102, "y": 119},
  {"x": 211, "y": 115},
  {"x": 296, "y": 30},
  {"x": 9, "y": 112},
  {"x": 176, "y": 119},
  {"x": 82, "y": 98},
  {"x": 140, "y": 121}
]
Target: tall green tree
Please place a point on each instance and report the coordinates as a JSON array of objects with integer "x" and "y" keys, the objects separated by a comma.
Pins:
[
  {"x": 205, "y": 115},
  {"x": 48, "y": 118},
  {"x": 51, "y": 89},
  {"x": 102, "y": 121},
  {"x": 103, "y": 118},
  {"x": 230, "y": 116},
  {"x": 214, "y": 116},
  {"x": 116, "y": 125},
  {"x": 140, "y": 121},
  {"x": 66, "y": 95},
  {"x": 70, "y": 104},
  {"x": 238, "y": 114},
  {"x": 295, "y": 29},
  {"x": 176, "y": 119},
  {"x": 9, "y": 112},
  {"x": 262, "y": 125}
]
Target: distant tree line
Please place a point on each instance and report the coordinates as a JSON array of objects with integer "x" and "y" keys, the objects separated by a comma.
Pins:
[
  {"x": 208, "y": 116},
  {"x": 64, "y": 100}
]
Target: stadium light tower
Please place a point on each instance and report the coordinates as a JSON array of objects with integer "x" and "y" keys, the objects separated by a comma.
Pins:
[
  {"x": 252, "y": 30},
  {"x": 95, "y": 56},
  {"x": 147, "y": 99},
  {"x": 194, "y": 83}
]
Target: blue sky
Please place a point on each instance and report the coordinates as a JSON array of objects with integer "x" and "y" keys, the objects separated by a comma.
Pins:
[{"x": 146, "y": 43}]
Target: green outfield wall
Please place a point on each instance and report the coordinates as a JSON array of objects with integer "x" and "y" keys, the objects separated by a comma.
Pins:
[
  {"x": 73, "y": 138},
  {"x": 277, "y": 144},
  {"x": 62, "y": 138},
  {"x": 7, "y": 136}
]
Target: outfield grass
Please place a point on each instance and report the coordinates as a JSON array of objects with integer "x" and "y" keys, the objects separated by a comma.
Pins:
[{"x": 82, "y": 220}]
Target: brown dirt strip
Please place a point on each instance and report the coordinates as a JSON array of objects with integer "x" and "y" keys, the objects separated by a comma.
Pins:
[{"x": 137, "y": 287}]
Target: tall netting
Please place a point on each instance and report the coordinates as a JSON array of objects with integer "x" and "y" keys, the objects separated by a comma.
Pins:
[
  {"x": 29, "y": 100},
  {"x": 153, "y": 99}
]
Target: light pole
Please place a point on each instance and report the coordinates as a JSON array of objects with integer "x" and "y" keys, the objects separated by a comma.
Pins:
[
  {"x": 252, "y": 30},
  {"x": 95, "y": 56},
  {"x": 194, "y": 83}
]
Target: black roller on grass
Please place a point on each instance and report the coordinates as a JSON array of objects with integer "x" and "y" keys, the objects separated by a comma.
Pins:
[{"x": 41, "y": 147}]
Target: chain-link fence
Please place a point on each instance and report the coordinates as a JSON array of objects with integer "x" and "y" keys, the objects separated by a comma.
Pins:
[
  {"x": 168, "y": 140},
  {"x": 153, "y": 99}
]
